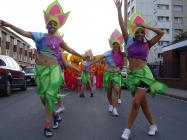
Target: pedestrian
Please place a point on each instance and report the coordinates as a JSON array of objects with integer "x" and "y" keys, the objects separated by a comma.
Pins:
[
  {"x": 114, "y": 62},
  {"x": 86, "y": 74},
  {"x": 139, "y": 78},
  {"x": 48, "y": 73}
]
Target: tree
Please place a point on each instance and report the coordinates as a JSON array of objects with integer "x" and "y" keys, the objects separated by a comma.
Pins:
[{"x": 181, "y": 36}]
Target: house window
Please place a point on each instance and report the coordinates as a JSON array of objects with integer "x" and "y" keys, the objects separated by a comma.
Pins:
[
  {"x": 20, "y": 51},
  {"x": 11, "y": 41},
  {"x": 7, "y": 45},
  {"x": 163, "y": 18},
  {"x": 178, "y": 8},
  {"x": 25, "y": 52},
  {"x": 132, "y": 10},
  {"x": 163, "y": 7},
  {"x": 159, "y": 55},
  {"x": 128, "y": 4},
  {"x": 163, "y": 43},
  {"x": 15, "y": 48},
  {"x": 129, "y": 14},
  {"x": 166, "y": 31},
  {"x": 178, "y": 20}
]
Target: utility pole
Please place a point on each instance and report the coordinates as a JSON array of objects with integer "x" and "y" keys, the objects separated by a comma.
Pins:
[{"x": 125, "y": 12}]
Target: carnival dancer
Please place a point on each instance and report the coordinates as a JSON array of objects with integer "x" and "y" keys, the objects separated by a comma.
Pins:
[
  {"x": 48, "y": 73},
  {"x": 99, "y": 74},
  {"x": 85, "y": 75},
  {"x": 140, "y": 78},
  {"x": 75, "y": 61},
  {"x": 114, "y": 61}
]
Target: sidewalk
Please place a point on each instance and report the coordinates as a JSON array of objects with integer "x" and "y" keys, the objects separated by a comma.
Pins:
[{"x": 176, "y": 93}]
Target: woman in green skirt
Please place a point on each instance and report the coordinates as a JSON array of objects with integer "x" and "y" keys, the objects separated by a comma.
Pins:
[
  {"x": 140, "y": 78},
  {"x": 114, "y": 62},
  {"x": 85, "y": 75},
  {"x": 49, "y": 63}
]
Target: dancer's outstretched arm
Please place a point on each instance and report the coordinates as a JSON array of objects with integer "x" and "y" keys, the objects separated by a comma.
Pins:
[
  {"x": 16, "y": 29},
  {"x": 66, "y": 64},
  {"x": 70, "y": 50},
  {"x": 118, "y": 4}
]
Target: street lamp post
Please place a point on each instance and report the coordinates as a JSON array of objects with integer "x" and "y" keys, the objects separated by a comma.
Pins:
[{"x": 125, "y": 12}]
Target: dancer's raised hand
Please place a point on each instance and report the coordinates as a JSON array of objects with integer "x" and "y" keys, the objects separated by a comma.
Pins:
[{"x": 118, "y": 4}]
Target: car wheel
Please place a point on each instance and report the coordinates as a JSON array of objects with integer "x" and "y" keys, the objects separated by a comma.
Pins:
[
  {"x": 7, "y": 90},
  {"x": 24, "y": 86}
]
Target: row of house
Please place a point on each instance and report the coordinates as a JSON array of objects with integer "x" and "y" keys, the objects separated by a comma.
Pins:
[{"x": 15, "y": 47}]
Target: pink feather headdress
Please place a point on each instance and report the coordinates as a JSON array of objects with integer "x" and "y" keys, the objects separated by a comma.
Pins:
[
  {"x": 55, "y": 12},
  {"x": 116, "y": 36},
  {"x": 135, "y": 18}
]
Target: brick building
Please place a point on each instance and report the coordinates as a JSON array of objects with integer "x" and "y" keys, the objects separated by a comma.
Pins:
[
  {"x": 175, "y": 65},
  {"x": 15, "y": 47}
]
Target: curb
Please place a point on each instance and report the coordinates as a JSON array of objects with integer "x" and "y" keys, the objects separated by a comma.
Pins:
[{"x": 174, "y": 96}]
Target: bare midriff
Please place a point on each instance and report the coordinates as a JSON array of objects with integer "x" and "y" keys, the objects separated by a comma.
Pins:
[
  {"x": 111, "y": 68},
  {"x": 45, "y": 60},
  {"x": 135, "y": 64}
]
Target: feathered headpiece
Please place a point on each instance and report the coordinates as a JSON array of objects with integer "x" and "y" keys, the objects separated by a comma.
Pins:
[
  {"x": 74, "y": 58},
  {"x": 89, "y": 52},
  {"x": 55, "y": 12},
  {"x": 135, "y": 18},
  {"x": 116, "y": 36},
  {"x": 65, "y": 55}
]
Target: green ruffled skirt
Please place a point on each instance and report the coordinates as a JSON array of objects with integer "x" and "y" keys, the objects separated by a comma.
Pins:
[
  {"x": 85, "y": 77},
  {"x": 114, "y": 77},
  {"x": 144, "y": 75},
  {"x": 49, "y": 79}
]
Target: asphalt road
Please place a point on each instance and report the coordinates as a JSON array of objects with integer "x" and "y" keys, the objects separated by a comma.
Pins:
[{"x": 21, "y": 118}]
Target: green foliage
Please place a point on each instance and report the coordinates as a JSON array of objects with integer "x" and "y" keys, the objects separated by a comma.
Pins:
[{"x": 180, "y": 37}]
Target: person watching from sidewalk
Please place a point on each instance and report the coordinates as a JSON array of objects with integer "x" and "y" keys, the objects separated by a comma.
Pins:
[
  {"x": 48, "y": 73},
  {"x": 140, "y": 78}
]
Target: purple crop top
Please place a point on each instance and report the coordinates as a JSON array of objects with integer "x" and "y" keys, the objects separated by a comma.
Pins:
[
  {"x": 87, "y": 66},
  {"x": 49, "y": 46},
  {"x": 137, "y": 50},
  {"x": 118, "y": 59}
]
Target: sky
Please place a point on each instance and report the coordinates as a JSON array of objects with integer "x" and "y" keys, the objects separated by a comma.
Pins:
[{"x": 88, "y": 26}]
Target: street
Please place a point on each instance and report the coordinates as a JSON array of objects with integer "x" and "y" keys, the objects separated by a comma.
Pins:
[{"x": 21, "y": 118}]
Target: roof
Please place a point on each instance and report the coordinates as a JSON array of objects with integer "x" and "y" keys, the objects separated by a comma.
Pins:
[{"x": 175, "y": 46}]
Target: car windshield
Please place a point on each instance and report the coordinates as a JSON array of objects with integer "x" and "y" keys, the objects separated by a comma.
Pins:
[
  {"x": 2, "y": 63},
  {"x": 29, "y": 70}
]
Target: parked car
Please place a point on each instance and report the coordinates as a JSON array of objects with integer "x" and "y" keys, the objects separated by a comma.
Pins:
[
  {"x": 11, "y": 75},
  {"x": 29, "y": 73}
]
